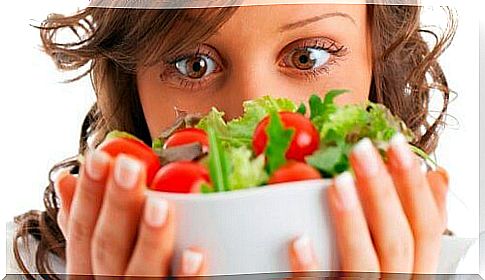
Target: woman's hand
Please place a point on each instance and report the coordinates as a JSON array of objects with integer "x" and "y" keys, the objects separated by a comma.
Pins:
[
  {"x": 390, "y": 219},
  {"x": 111, "y": 228}
]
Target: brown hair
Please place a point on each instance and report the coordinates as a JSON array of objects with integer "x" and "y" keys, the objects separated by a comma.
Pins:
[{"x": 112, "y": 43}]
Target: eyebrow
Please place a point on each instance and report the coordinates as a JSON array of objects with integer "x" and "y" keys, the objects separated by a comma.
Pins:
[{"x": 307, "y": 21}]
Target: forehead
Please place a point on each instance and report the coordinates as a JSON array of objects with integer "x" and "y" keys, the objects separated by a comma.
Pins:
[
  {"x": 276, "y": 25},
  {"x": 275, "y": 17}
]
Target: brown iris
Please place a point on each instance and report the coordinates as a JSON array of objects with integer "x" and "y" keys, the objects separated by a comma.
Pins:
[
  {"x": 302, "y": 59},
  {"x": 196, "y": 67}
]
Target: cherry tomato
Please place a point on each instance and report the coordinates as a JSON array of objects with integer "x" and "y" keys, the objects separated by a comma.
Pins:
[
  {"x": 136, "y": 149},
  {"x": 180, "y": 177},
  {"x": 188, "y": 136},
  {"x": 294, "y": 171},
  {"x": 305, "y": 137}
]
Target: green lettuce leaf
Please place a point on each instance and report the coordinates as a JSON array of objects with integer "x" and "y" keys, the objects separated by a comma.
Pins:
[
  {"x": 343, "y": 126},
  {"x": 254, "y": 112},
  {"x": 239, "y": 132},
  {"x": 245, "y": 171},
  {"x": 279, "y": 139}
]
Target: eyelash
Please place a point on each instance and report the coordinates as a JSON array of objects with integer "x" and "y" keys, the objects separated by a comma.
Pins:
[
  {"x": 170, "y": 71},
  {"x": 336, "y": 52}
]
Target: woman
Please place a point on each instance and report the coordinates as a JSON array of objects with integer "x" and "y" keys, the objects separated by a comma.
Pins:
[{"x": 144, "y": 63}]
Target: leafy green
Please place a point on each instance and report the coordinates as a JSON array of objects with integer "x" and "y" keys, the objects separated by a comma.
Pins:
[
  {"x": 205, "y": 188},
  {"x": 233, "y": 166},
  {"x": 239, "y": 132},
  {"x": 301, "y": 109},
  {"x": 121, "y": 134},
  {"x": 157, "y": 144},
  {"x": 245, "y": 172},
  {"x": 218, "y": 163},
  {"x": 331, "y": 160},
  {"x": 279, "y": 139},
  {"x": 320, "y": 109},
  {"x": 343, "y": 126}
]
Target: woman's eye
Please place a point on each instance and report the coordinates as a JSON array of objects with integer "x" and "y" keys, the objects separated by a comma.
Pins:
[
  {"x": 308, "y": 58},
  {"x": 196, "y": 67}
]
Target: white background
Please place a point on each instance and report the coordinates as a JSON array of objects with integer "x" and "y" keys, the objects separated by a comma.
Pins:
[{"x": 41, "y": 117}]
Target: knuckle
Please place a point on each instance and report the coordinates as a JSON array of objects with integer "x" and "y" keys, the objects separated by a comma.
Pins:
[
  {"x": 401, "y": 249},
  {"x": 79, "y": 230},
  {"x": 101, "y": 247},
  {"x": 431, "y": 231}
]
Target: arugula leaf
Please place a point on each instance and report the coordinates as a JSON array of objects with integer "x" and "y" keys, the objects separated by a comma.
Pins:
[
  {"x": 218, "y": 162},
  {"x": 331, "y": 160},
  {"x": 316, "y": 106},
  {"x": 320, "y": 110},
  {"x": 279, "y": 139},
  {"x": 301, "y": 109},
  {"x": 245, "y": 172}
]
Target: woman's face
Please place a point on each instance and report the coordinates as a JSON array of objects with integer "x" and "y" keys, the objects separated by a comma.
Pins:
[{"x": 288, "y": 51}]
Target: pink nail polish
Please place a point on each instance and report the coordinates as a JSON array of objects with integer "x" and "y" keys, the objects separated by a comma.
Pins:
[
  {"x": 127, "y": 171},
  {"x": 96, "y": 164},
  {"x": 400, "y": 145},
  {"x": 191, "y": 262},
  {"x": 367, "y": 157},
  {"x": 347, "y": 194},
  {"x": 303, "y": 250},
  {"x": 156, "y": 210}
]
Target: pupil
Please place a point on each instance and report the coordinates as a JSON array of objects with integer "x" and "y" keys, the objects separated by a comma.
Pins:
[
  {"x": 196, "y": 67},
  {"x": 303, "y": 59}
]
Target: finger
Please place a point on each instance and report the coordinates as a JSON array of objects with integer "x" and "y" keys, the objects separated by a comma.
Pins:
[
  {"x": 302, "y": 255},
  {"x": 84, "y": 210},
  {"x": 193, "y": 262},
  {"x": 354, "y": 241},
  {"x": 115, "y": 232},
  {"x": 438, "y": 181},
  {"x": 418, "y": 203},
  {"x": 391, "y": 232},
  {"x": 64, "y": 185},
  {"x": 154, "y": 245}
]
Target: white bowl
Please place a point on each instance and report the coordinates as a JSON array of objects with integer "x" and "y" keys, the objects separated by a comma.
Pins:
[{"x": 248, "y": 231}]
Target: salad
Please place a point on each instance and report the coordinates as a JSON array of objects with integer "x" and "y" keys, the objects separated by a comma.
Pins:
[{"x": 274, "y": 141}]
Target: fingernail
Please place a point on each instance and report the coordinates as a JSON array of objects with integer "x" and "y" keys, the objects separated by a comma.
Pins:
[
  {"x": 57, "y": 181},
  {"x": 345, "y": 186},
  {"x": 364, "y": 151},
  {"x": 96, "y": 164},
  {"x": 303, "y": 250},
  {"x": 59, "y": 177},
  {"x": 126, "y": 171},
  {"x": 191, "y": 262},
  {"x": 156, "y": 210},
  {"x": 399, "y": 144}
]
